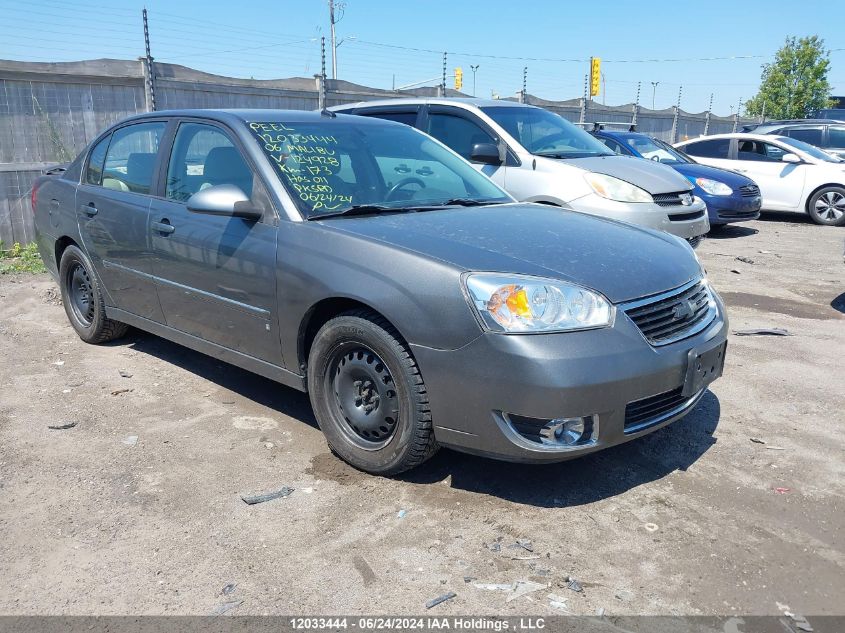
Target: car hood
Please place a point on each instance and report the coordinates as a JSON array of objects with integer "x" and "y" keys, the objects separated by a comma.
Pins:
[
  {"x": 646, "y": 174},
  {"x": 620, "y": 260},
  {"x": 731, "y": 178}
]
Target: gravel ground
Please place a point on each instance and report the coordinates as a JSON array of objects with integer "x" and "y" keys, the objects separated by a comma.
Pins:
[{"x": 137, "y": 510}]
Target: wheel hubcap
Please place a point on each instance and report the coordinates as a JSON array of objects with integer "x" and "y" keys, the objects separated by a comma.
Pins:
[
  {"x": 831, "y": 206},
  {"x": 81, "y": 294},
  {"x": 364, "y": 396}
]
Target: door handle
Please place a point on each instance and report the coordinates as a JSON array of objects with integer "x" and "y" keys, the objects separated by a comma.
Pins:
[
  {"x": 89, "y": 209},
  {"x": 163, "y": 227}
]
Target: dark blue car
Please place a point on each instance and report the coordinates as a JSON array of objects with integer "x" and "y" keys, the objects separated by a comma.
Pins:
[{"x": 730, "y": 197}]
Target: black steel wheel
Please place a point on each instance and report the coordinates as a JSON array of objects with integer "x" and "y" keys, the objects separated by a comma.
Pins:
[
  {"x": 83, "y": 299},
  {"x": 368, "y": 395}
]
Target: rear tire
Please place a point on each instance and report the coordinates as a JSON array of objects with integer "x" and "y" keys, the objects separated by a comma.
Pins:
[
  {"x": 83, "y": 299},
  {"x": 827, "y": 206},
  {"x": 368, "y": 395}
]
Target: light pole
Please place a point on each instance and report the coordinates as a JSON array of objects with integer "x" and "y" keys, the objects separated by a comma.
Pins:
[
  {"x": 474, "y": 70},
  {"x": 653, "y": 92}
]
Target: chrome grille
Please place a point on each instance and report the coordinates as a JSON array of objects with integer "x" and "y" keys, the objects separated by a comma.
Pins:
[
  {"x": 673, "y": 315},
  {"x": 668, "y": 199},
  {"x": 749, "y": 191}
]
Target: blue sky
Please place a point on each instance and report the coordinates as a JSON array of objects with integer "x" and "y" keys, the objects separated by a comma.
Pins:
[{"x": 274, "y": 39}]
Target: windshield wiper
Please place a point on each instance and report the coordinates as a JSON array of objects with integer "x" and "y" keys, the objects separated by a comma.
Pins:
[
  {"x": 468, "y": 202},
  {"x": 359, "y": 209},
  {"x": 575, "y": 155}
]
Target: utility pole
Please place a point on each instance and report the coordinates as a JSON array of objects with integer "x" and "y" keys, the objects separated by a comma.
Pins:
[
  {"x": 149, "y": 84},
  {"x": 654, "y": 85},
  {"x": 474, "y": 70},
  {"x": 333, "y": 6}
]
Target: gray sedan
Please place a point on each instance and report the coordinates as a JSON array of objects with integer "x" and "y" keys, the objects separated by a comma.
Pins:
[{"x": 366, "y": 263}]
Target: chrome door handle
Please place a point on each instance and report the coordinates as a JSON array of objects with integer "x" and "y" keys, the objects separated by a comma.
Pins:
[
  {"x": 163, "y": 227},
  {"x": 89, "y": 209}
]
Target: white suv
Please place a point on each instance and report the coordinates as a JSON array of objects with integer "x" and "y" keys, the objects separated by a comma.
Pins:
[{"x": 538, "y": 156}]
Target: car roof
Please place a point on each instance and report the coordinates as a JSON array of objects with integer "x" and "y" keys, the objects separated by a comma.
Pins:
[
  {"x": 247, "y": 115},
  {"x": 749, "y": 136},
  {"x": 464, "y": 102}
]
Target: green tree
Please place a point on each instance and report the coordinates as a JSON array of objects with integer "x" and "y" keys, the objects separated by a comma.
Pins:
[{"x": 795, "y": 84}]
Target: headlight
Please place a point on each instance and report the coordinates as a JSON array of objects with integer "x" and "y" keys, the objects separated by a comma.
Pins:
[
  {"x": 714, "y": 187},
  {"x": 516, "y": 303},
  {"x": 616, "y": 189}
]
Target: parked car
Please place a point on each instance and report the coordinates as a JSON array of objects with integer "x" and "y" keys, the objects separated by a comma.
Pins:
[
  {"x": 538, "y": 156},
  {"x": 730, "y": 197},
  {"x": 792, "y": 175},
  {"x": 825, "y": 134},
  {"x": 364, "y": 262}
]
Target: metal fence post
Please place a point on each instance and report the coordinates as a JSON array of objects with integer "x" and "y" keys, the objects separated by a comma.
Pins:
[
  {"x": 636, "y": 107},
  {"x": 707, "y": 115},
  {"x": 442, "y": 88},
  {"x": 149, "y": 75},
  {"x": 677, "y": 109},
  {"x": 582, "y": 117}
]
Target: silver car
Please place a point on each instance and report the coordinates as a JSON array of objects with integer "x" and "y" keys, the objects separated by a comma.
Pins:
[{"x": 538, "y": 156}]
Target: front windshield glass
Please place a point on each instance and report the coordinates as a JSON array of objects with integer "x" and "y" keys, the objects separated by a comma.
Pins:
[
  {"x": 656, "y": 150},
  {"x": 334, "y": 165},
  {"x": 545, "y": 133},
  {"x": 812, "y": 150}
]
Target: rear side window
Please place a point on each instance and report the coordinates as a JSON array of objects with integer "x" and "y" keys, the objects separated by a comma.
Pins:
[
  {"x": 837, "y": 136},
  {"x": 811, "y": 135},
  {"x": 131, "y": 157},
  {"x": 94, "y": 175},
  {"x": 458, "y": 133},
  {"x": 408, "y": 118},
  {"x": 714, "y": 148}
]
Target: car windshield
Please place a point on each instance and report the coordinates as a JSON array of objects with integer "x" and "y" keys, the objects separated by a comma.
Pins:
[
  {"x": 656, "y": 150},
  {"x": 545, "y": 133},
  {"x": 812, "y": 150},
  {"x": 344, "y": 163}
]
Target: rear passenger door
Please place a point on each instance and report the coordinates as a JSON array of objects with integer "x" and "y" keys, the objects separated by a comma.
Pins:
[
  {"x": 216, "y": 275},
  {"x": 113, "y": 204}
]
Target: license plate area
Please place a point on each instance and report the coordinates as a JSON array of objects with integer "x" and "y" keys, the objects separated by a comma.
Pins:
[{"x": 703, "y": 367}]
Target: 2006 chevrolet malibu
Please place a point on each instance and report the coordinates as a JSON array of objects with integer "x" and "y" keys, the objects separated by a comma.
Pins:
[{"x": 363, "y": 262}]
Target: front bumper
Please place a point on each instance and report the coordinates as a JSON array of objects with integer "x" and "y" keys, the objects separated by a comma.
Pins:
[
  {"x": 733, "y": 208},
  {"x": 684, "y": 221},
  {"x": 474, "y": 391}
]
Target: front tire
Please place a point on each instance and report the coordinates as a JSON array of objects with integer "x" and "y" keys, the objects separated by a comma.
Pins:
[
  {"x": 368, "y": 395},
  {"x": 83, "y": 299},
  {"x": 827, "y": 206}
]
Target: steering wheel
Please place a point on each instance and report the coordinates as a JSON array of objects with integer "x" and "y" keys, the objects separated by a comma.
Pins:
[
  {"x": 546, "y": 141},
  {"x": 411, "y": 180}
]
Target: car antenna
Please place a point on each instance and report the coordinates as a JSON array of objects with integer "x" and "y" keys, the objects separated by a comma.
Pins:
[{"x": 328, "y": 113}]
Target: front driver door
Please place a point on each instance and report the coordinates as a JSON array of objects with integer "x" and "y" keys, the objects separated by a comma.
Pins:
[
  {"x": 781, "y": 184},
  {"x": 216, "y": 275},
  {"x": 459, "y": 132}
]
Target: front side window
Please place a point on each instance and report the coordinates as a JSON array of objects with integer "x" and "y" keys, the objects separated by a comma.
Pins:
[
  {"x": 545, "y": 133},
  {"x": 131, "y": 157},
  {"x": 457, "y": 132},
  {"x": 758, "y": 151},
  {"x": 837, "y": 136},
  {"x": 94, "y": 174},
  {"x": 331, "y": 166},
  {"x": 203, "y": 156},
  {"x": 714, "y": 148},
  {"x": 615, "y": 147}
]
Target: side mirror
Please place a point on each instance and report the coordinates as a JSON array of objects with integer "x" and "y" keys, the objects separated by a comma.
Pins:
[
  {"x": 791, "y": 158},
  {"x": 487, "y": 153},
  {"x": 225, "y": 200}
]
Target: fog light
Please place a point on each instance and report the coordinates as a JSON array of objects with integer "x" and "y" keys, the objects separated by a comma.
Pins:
[{"x": 564, "y": 431}]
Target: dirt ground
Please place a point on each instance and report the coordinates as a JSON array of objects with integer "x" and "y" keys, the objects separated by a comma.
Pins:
[{"x": 737, "y": 509}]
